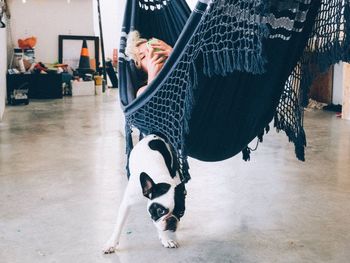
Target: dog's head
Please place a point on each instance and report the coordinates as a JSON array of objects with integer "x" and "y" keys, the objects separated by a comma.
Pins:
[
  {"x": 161, "y": 203},
  {"x": 166, "y": 204}
]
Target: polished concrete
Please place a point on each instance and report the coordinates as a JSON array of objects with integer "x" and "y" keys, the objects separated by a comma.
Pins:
[{"x": 62, "y": 178}]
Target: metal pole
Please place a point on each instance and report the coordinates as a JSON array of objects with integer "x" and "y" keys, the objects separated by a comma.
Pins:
[{"x": 102, "y": 45}]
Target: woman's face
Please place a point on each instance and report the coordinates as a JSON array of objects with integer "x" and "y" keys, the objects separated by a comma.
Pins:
[{"x": 143, "y": 52}]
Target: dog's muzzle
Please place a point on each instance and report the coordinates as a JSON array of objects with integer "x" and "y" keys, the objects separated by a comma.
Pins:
[{"x": 171, "y": 223}]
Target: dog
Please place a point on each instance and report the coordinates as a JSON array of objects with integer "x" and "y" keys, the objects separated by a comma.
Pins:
[{"x": 154, "y": 175}]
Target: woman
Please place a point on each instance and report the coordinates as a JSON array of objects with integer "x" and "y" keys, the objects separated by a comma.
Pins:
[{"x": 148, "y": 55}]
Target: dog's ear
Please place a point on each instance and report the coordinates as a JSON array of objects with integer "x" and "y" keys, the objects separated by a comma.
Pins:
[
  {"x": 146, "y": 184},
  {"x": 160, "y": 189}
]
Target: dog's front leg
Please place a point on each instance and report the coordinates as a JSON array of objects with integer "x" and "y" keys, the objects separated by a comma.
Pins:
[
  {"x": 168, "y": 239},
  {"x": 123, "y": 212}
]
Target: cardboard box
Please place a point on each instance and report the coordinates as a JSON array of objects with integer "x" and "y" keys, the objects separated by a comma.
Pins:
[{"x": 83, "y": 88}]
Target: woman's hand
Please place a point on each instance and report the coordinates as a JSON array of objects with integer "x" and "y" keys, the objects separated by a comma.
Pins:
[
  {"x": 155, "y": 63},
  {"x": 161, "y": 48}
]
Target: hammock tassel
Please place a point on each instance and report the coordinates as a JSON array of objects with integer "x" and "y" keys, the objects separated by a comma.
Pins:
[
  {"x": 261, "y": 136},
  {"x": 246, "y": 153},
  {"x": 184, "y": 171},
  {"x": 300, "y": 146},
  {"x": 189, "y": 101}
]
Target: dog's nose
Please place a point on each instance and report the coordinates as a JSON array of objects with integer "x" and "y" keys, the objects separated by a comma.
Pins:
[{"x": 171, "y": 224}]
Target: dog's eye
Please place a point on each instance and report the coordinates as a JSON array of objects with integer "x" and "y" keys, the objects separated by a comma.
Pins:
[{"x": 160, "y": 211}]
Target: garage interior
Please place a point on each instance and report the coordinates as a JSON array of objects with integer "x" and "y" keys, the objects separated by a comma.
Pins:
[{"x": 62, "y": 169}]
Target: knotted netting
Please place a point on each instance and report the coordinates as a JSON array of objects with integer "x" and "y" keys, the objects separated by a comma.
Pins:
[
  {"x": 329, "y": 43},
  {"x": 229, "y": 37}
]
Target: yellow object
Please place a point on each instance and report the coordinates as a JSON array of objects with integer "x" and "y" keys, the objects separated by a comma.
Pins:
[{"x": 98, "y": 80}]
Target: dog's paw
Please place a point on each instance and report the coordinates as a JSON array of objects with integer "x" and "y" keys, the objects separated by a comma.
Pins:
[
  {"x": 169, "y": 243},
  {"x": 110, "y": 247},
  {"x": 109, "y": 250},
  {"x": 168, "y": 239}
]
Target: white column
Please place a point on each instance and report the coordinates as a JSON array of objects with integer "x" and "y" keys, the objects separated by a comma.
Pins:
[
  {"x": 346, "y": 92},
  {"x": 337, "y": 96}
]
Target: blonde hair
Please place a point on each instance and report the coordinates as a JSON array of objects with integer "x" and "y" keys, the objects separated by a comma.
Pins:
[{"x": 133, "y": 42}]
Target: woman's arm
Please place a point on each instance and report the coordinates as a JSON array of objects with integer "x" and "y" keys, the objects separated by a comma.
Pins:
[
  {"x": 154, "y": 65},
  {"x": 158, "y": 53}
]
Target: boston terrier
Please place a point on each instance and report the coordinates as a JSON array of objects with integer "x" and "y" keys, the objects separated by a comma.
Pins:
[{"x": 154, "y": 176}]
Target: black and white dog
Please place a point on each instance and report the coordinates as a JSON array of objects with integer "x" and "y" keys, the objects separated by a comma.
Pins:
[{"x": 154, "y": 175}]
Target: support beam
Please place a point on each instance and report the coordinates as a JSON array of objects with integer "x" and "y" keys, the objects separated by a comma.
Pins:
[
  {"x": 102, "y": 45},
  {"x": 3, "y": 70}
]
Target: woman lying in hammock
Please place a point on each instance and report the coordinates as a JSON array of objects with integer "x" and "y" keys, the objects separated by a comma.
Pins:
[{"x": 149, "y": 56}]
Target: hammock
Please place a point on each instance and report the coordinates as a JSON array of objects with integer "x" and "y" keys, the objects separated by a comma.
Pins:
[{"x": 235, "y": 66}]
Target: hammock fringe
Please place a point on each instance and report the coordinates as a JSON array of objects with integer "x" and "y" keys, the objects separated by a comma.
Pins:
[
  {"x": 189, "y": 104},
  {"x": 298, "y": 138},
  {"x": 225, "y": 62}
]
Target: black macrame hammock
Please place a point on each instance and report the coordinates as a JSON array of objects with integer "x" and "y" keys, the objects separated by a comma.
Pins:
[{"x": 236, "y": 65}]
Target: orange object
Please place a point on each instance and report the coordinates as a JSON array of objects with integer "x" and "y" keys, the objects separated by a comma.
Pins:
[
  {"x": 84, "y": 52},
  {"x": 27, "y": 43},
  {"x": 61, "y": 65},
  {"x": 84, "y": 62}
]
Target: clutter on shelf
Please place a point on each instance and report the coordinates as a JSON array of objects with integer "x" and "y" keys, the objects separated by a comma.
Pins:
[{"x": 26, "y": 76}]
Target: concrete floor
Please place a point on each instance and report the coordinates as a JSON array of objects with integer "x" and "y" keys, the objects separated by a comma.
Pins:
[{"x": 62, "y": 178}]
